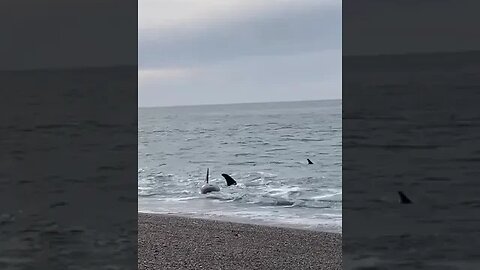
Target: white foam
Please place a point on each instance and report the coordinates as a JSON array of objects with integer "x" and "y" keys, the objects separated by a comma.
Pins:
[{"x": 326, "y": 196}]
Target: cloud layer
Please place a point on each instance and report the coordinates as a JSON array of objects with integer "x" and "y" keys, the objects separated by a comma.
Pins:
[{"x": 238, "y": 51}]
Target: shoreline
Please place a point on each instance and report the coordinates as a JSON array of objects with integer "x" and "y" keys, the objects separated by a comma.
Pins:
[
  {"x": 249, "y": 221},
  {"x": 176, "y": 242}
]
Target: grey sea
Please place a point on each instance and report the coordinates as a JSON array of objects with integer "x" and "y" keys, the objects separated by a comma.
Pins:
[
  {"x": 67, "y": 177},
  {"x": 263, "y": 146},
  {"x": 413, "y": 125}
]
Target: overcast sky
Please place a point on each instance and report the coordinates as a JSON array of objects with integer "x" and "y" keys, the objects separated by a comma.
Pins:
[{"x": 234, "y": 51}]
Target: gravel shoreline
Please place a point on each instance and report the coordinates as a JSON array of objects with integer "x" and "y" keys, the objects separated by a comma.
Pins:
[{"x": 172, "y": 242}]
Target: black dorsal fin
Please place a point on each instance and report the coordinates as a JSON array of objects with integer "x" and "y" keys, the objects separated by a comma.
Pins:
[
  {"x": 230, "y": 180},
  {"x": 208, "y": 171},
  {"x": 403, "y": 198},
  {"x": 309, "y": 161}
]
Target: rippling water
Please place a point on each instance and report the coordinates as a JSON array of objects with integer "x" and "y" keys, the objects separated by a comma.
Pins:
[
  {"x": 263, "y": 146},
  {"x": 67, "y": 199},
  {"x": 412, "y": 124}
]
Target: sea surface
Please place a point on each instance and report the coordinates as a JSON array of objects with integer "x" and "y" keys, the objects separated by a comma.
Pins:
[
  {"x": 411, "y": 123},
  {"x": 263, "y": 146},
  {"x": 67, "y": 177}
]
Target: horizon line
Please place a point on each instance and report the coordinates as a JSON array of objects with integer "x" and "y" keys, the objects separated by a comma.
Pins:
[
  {"x": 412, "y": 53},
  {"x": 235, "y": 103},
  {"x": 69, "y": 68},
  {"x": 124, "y": 65}
]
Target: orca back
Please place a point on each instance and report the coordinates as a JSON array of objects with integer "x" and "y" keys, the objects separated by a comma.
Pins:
[
  {"x": 207, "y": 188},
  {"x": 309, "y": 161}
]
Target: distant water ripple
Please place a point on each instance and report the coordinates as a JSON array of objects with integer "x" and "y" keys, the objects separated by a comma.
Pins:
[{"x": 263, "y": 146}]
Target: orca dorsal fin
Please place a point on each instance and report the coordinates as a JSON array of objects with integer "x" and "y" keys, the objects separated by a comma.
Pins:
[
  {"x": 403, "y": 198},
  {"x": 309, "y": 161},
  {"x": 207, "y": 175},
  {"x": 230, "y": 180}
]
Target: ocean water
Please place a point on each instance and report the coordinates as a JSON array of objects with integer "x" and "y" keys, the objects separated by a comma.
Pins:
[
  {"x": 67, "y": 177},
  {"x": 412, "y": 123},
  {"x": 263, "y": 146}
]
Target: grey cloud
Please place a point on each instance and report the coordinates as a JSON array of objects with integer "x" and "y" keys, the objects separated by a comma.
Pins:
[
  {"x": 281, "y": 69},
  {"x": 291, "y": 31},
  {"x": 252, "y": 79}
]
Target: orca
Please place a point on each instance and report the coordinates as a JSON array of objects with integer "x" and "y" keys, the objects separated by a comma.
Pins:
[
  {"x": 229, "y": 179},
  {"x": 309, "y": 161},
  {"x": 207, "y": 188},
  {"x": 403, "y": 198}
]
